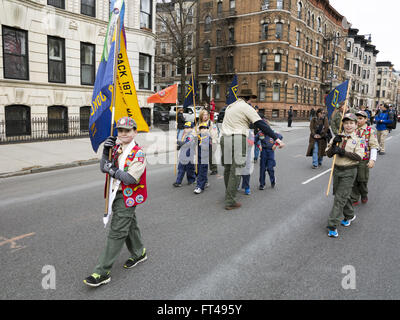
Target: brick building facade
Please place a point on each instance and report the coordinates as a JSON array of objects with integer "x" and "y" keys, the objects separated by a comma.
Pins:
[{"x": 281, "y": 51}]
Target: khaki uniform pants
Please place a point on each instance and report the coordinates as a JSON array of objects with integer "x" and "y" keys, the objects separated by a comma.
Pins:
[
  {"x": 123, "y": 229},
  {"x": 360, "y": 187},
  {"x": 381, "y": 139},
  {"x": 343, "y": 181},
  {"x": 233, "y": 149}
]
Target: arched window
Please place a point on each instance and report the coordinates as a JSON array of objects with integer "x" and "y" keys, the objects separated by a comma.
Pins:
[
  {"x": 207, "y": 25},
  {"x": 18, "y": 120},
  {"x": 207, "y": 52},
  {"x": 308, "y": 18},
  {"x": 84, "y": 114},
  {"x": 57, "y": 117},
  {"x": 219, "y": 7},
  {"x": 319, "y": 25},
  {"x": 296, "y": 94},
  {"x": 312, "y": 21},
  {"x": 349, "y": 46},
  {"x": 299, "y": 10}
]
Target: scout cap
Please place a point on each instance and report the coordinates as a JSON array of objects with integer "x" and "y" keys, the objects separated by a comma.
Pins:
[
  {"x": 188, "y": 124},
  {"x": 126, "y": 123},
  {"x": 349, "y": 116},
  {"x": 362, "y": 114},
  {"x": 203, "y": 125}
]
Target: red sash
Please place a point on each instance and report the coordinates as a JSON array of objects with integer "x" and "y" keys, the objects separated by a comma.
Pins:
[{"x": 133, "y": 194}]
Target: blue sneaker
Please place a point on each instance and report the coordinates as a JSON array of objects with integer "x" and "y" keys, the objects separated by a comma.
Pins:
[
  {"x": 247, "y": 191},
  {"x": 333, "y": 233},
  {"x": 347, "y": 223}
]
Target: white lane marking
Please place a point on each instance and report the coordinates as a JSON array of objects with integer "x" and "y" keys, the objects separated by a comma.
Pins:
[{"x": 316, "y": 177}]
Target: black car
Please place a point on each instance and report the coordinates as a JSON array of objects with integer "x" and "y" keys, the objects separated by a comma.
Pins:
[
  {"x": 160, "y": 114},
  {"x": 221, "y": 115}
]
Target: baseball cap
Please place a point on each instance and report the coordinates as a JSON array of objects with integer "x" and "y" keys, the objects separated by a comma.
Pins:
[
  {"x": 203, "y": 125},
  {"x": 362, "y": 114},
  {"x": 349, "y": 116},
  {"x": 188, "y": 124},
  {"x": 126, "y": 123}
]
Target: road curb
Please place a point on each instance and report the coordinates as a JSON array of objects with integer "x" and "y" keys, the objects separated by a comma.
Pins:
[{"x": 73, "y": 164}]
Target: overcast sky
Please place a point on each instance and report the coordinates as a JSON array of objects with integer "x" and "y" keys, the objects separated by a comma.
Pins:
[{"x": 381, "y": 19}]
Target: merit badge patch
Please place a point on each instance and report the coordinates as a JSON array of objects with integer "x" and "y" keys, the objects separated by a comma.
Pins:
[
  {"x": 129, "y": 202},
  {"x": 139, "y": 154},
  {"x": 128, "y": 192},
  {"x": 141, "y": 159},
  {"x": 139, "y": 198}
]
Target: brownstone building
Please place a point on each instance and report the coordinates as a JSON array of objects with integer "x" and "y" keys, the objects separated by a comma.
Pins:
[{"x": 284, "y": 51}]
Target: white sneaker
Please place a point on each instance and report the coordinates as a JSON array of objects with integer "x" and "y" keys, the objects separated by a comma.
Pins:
[
  {"x": 197, "y": 191},
  {"x": 207, "y": 185}
]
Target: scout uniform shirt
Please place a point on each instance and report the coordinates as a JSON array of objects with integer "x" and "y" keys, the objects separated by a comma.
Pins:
[
  {"x": 136, "y": 167},
  {"x": 369, "y": 140},
  {"x": 351, "y": 143},
  {"x": 238, "y": 116}
]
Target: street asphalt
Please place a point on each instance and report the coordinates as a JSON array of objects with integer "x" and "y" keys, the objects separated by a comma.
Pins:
[{"x": 274, "y": 247}]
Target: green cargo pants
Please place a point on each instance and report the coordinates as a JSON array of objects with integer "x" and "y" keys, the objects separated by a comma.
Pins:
[
  {"x": 123, "y": 229},
  {"x": 233, "y": 149},
  {"x": 360, "y": 187},
  {"x": 343, "y": 181}
]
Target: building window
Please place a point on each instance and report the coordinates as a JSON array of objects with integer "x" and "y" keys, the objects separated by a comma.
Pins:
[
  {"x": 319, "y": 25},
  {"x": 231, "y": 35},
  {"x": 299, "y": 10},
  {"x": 84, "y": 114},
  {"x": 279, "y": 28},
  {"x": 88, "y": 60},
  {"x": 265, "y": 5},
  {"x": 207, "y": 24},
  {"x": 277, "y": 64},
  {"x": 18, "y": 120},
  {"x": 163, "y": 48},
  {"x": 218, "y": 64},
  {"x": 219, "y": 37},
  {"x": 232, "y": 4},
  {"x": 163, "y": 73},
  {"x": 276, "y": 92},
  {"x": 298, "y": 39},
  {"x": 317, "y": 49},
  {"x": 144, "y": 71},
  {"x": 230, "y": 64},
  {"x": 57, "y": 117},
  {"x": 219, "y": 7},
  {"x": 308, "y": 18},
  {"x": 315, "y": 97},
  {"x": 296, "y": 94},
  {"x": 15, "y": 54},
  {"x": 296, "y": 65},
  {"x": 88, "y": 7},
  {"x": 263, "y": 64},
  {"x": 355, "y": 52},
  {"x": 207, "y": 51},
  {"x": 190, "y": 42},
  {"x": 56, "y": 3},
  {"x": 189, "y": 16},
  {"x": 279, "y": 4},
  {"x": 146, "y": 14},
  {"x": 264, "y": 31},
  {"x": 262, "y": 91},
  {"x": 56, "y": 57}
]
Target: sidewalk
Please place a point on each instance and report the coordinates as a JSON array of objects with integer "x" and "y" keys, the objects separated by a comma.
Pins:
[{"x": 24, "y": 158}]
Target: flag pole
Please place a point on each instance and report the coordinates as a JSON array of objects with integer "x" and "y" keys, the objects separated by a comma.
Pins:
[
  {"x": 195, "y": 122},
  {"x": 176, "y": 122},
  {"x": 340, "y": 129},
  {"x": 116, "y": 52}
]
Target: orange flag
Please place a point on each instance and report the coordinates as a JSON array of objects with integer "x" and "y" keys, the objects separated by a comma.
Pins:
[{"x": 168, "y": 95}]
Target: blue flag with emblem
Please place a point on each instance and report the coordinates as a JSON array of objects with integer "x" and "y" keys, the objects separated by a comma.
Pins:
[
  {"x": 100, "y": 112},
  {"x": 336, "y": 96},
  {"x": 232, "y": 94},
  {"x": 190, "y": 94}
]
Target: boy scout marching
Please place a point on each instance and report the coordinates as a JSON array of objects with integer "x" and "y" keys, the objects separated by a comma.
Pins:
[
  {"x": 128, "y": 184},
  {"x": 355, "y": 149}
]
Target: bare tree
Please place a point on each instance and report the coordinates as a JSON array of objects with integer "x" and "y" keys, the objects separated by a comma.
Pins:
[{"x": 178, "y": 28}]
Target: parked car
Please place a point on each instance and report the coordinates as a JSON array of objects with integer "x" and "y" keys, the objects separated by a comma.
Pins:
[
  {"x": 188, "y": 112},
  {"x": 160, "y": 114}
]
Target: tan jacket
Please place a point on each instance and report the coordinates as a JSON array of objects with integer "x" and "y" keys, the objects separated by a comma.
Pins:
[{"x": 353, "y": 148}]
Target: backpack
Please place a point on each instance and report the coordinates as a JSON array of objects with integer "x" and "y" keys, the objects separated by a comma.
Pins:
[{"x": 392, "y": 116}]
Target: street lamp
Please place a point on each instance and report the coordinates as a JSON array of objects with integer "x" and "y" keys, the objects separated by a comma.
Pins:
[{"x": 210, "y": 83}]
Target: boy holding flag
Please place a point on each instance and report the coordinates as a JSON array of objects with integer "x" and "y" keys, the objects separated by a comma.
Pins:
[{"x": 128, "y": 171}]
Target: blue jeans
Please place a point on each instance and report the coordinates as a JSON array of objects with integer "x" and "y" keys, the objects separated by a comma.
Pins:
[
  {"x": 202, "y": 176},
  {"x": 267, "y": 163},
  {"x": 246, "y": 182},
  {"x": 189, "y": 170},
  {"x": 179, "y": 134},
  {"x": 316, "y": 160}
]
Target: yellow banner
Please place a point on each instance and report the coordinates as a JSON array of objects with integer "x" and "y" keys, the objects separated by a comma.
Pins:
[{"x": 126, "y": 103}]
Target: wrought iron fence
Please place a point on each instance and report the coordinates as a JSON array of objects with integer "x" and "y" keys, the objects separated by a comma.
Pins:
[{"x": 43, "y": 128}]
